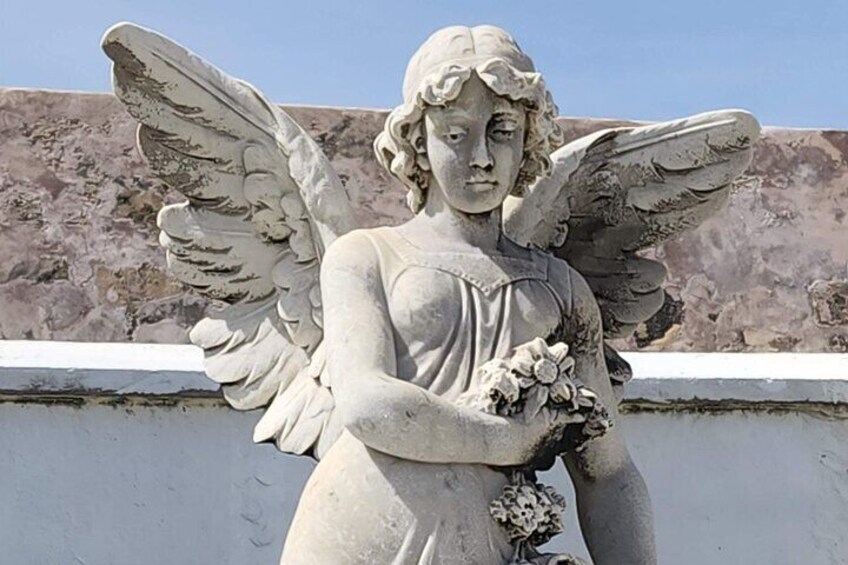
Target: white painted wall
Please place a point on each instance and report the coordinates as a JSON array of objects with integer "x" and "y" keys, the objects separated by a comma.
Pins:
[{"x": 130, "y": 484}]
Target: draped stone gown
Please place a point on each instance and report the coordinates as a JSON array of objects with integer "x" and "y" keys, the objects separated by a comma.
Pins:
[{"x": 450, "y": 312}]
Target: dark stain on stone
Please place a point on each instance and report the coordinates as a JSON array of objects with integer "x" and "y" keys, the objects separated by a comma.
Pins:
[
  {"x": 51, "y": 183},
  {"x": 44, "y": 400},
  {"x": 618, "y": 368},
  {"x": 126, "y": 285},
  {"x": 825, "y": 166},
  {"x": 829, "y": 301},
  {"x": 715, "y": 238},
  {"x": 335, "y": 141},
  {"x": 85, "y": 166},
  {"x": 25, "y": 208},
  {"x": 770, "y": 157},
  {"x": 56, "y": 270},
  {"x": 838, "y": 343},
  {"x": 785, "y": 343},
  {"x": 84, "y": 398},
  {"x": 701, "y": 406},
  {"x": 657, "y": 326},
  {"x": 185, "y": 310},
  {"x": 140, "y": 201},
  {"x": 133, "y": 288}
]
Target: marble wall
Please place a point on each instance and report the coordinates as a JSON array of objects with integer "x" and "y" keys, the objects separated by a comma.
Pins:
[{"x": 79, "y": 258}]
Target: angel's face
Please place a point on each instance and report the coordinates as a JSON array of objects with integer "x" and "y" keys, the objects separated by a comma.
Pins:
[{"x": 475, "y": 144}]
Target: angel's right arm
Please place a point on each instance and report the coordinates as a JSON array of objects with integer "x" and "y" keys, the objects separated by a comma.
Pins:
[{"x": 384, "y": 412}]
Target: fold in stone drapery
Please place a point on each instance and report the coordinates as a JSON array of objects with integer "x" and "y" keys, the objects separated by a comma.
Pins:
[{"x": 493, "y": 300}]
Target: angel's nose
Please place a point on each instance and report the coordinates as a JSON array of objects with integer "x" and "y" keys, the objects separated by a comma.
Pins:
[{"x": 480, "y": 156}]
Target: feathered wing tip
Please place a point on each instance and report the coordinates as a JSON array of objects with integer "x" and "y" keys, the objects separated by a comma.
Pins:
[
  {"x": 618, "y": 368},
  {"x": 619, "y": 191},
  {"x": 263, "y": 204},
  {"x": 628, "y": 289},
  {"x": 301, "y": 418}
]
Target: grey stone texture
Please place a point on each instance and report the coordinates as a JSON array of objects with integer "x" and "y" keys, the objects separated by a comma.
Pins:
[{"x": 79, "y": 257}]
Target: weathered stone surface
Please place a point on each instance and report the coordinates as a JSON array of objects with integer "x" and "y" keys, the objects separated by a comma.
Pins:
[
  {"x": 830, "y": 302},
  {"x": 748, "y": 276},
  {"x": 79, "y": 258}
]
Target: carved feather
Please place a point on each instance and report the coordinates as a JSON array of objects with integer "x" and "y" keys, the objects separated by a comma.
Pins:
[
  {"x": 263, "y": 204},
  {"x": 618, "y": 191}
]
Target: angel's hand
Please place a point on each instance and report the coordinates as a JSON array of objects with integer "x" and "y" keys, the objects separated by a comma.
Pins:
[{"x": 542, "y": 434}]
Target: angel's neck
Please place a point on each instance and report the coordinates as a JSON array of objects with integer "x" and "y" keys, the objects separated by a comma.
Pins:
[{"x": 454, "y": 228}]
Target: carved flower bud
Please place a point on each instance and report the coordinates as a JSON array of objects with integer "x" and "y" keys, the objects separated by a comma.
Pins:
[
  {"x": 563, "y": 392},
  {"x": 558, "y": 352},
  {"x": 522, "y": 363},
  {"x": 597, "y": 422}
]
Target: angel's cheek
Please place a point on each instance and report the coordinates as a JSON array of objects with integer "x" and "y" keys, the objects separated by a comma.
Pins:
[
  {"x": 446, "y": 165},
  {"x": 507, "y": 158}
]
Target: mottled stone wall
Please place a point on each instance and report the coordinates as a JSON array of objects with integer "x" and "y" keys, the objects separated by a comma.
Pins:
[
  {"x": 769, "y": 272},
  {"x": 79, "y": 258}
]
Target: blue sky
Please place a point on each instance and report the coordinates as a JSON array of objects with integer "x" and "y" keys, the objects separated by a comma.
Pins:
[{"x": 785, "y": 60}]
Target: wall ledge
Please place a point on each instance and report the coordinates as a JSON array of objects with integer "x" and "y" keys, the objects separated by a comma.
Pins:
[{"x": 75, "y": 372}]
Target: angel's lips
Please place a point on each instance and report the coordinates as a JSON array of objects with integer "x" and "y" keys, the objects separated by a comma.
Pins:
[{"x": 481, "y": 185}]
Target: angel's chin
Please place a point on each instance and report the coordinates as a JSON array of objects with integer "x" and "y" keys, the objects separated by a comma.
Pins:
[{"x": 482, "y": 202}]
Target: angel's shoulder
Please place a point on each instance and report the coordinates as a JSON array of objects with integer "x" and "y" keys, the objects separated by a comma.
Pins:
[
  {"x": 559, "y": 276},
  {"x": 559, "y": 270},
  {"x": 367, "y": 254},
  {"x": 576, "y": 293},
  {"x": 353, "y": 251}
]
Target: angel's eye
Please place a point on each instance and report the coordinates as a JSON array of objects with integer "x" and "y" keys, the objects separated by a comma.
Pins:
[
  {"x": 455, "y": 134},
  {"x": 502, "y": 134},
  {"x": 503, "y": 131}
]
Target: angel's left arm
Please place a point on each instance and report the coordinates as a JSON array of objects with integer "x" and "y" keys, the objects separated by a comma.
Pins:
[{"x": 612, "y": 500}]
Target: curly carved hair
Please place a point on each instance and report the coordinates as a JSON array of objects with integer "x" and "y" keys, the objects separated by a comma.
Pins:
[{"x": 401, "y": 147}]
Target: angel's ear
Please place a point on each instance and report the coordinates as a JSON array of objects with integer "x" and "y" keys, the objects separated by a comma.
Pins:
[{"x": 419, "y": 144}]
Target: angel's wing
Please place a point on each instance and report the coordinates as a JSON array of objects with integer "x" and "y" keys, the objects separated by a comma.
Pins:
[
  {"x": 263, "y": 204},
  {"x": 618, "y": 191}
]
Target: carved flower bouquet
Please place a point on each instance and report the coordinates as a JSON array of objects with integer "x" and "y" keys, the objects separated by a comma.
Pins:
[
  {"x": 531, "y": 514},
  {"x": 534, "y": 377}
]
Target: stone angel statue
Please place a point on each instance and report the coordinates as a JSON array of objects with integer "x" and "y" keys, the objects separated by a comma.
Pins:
[{"x": 431, "y": 367}]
